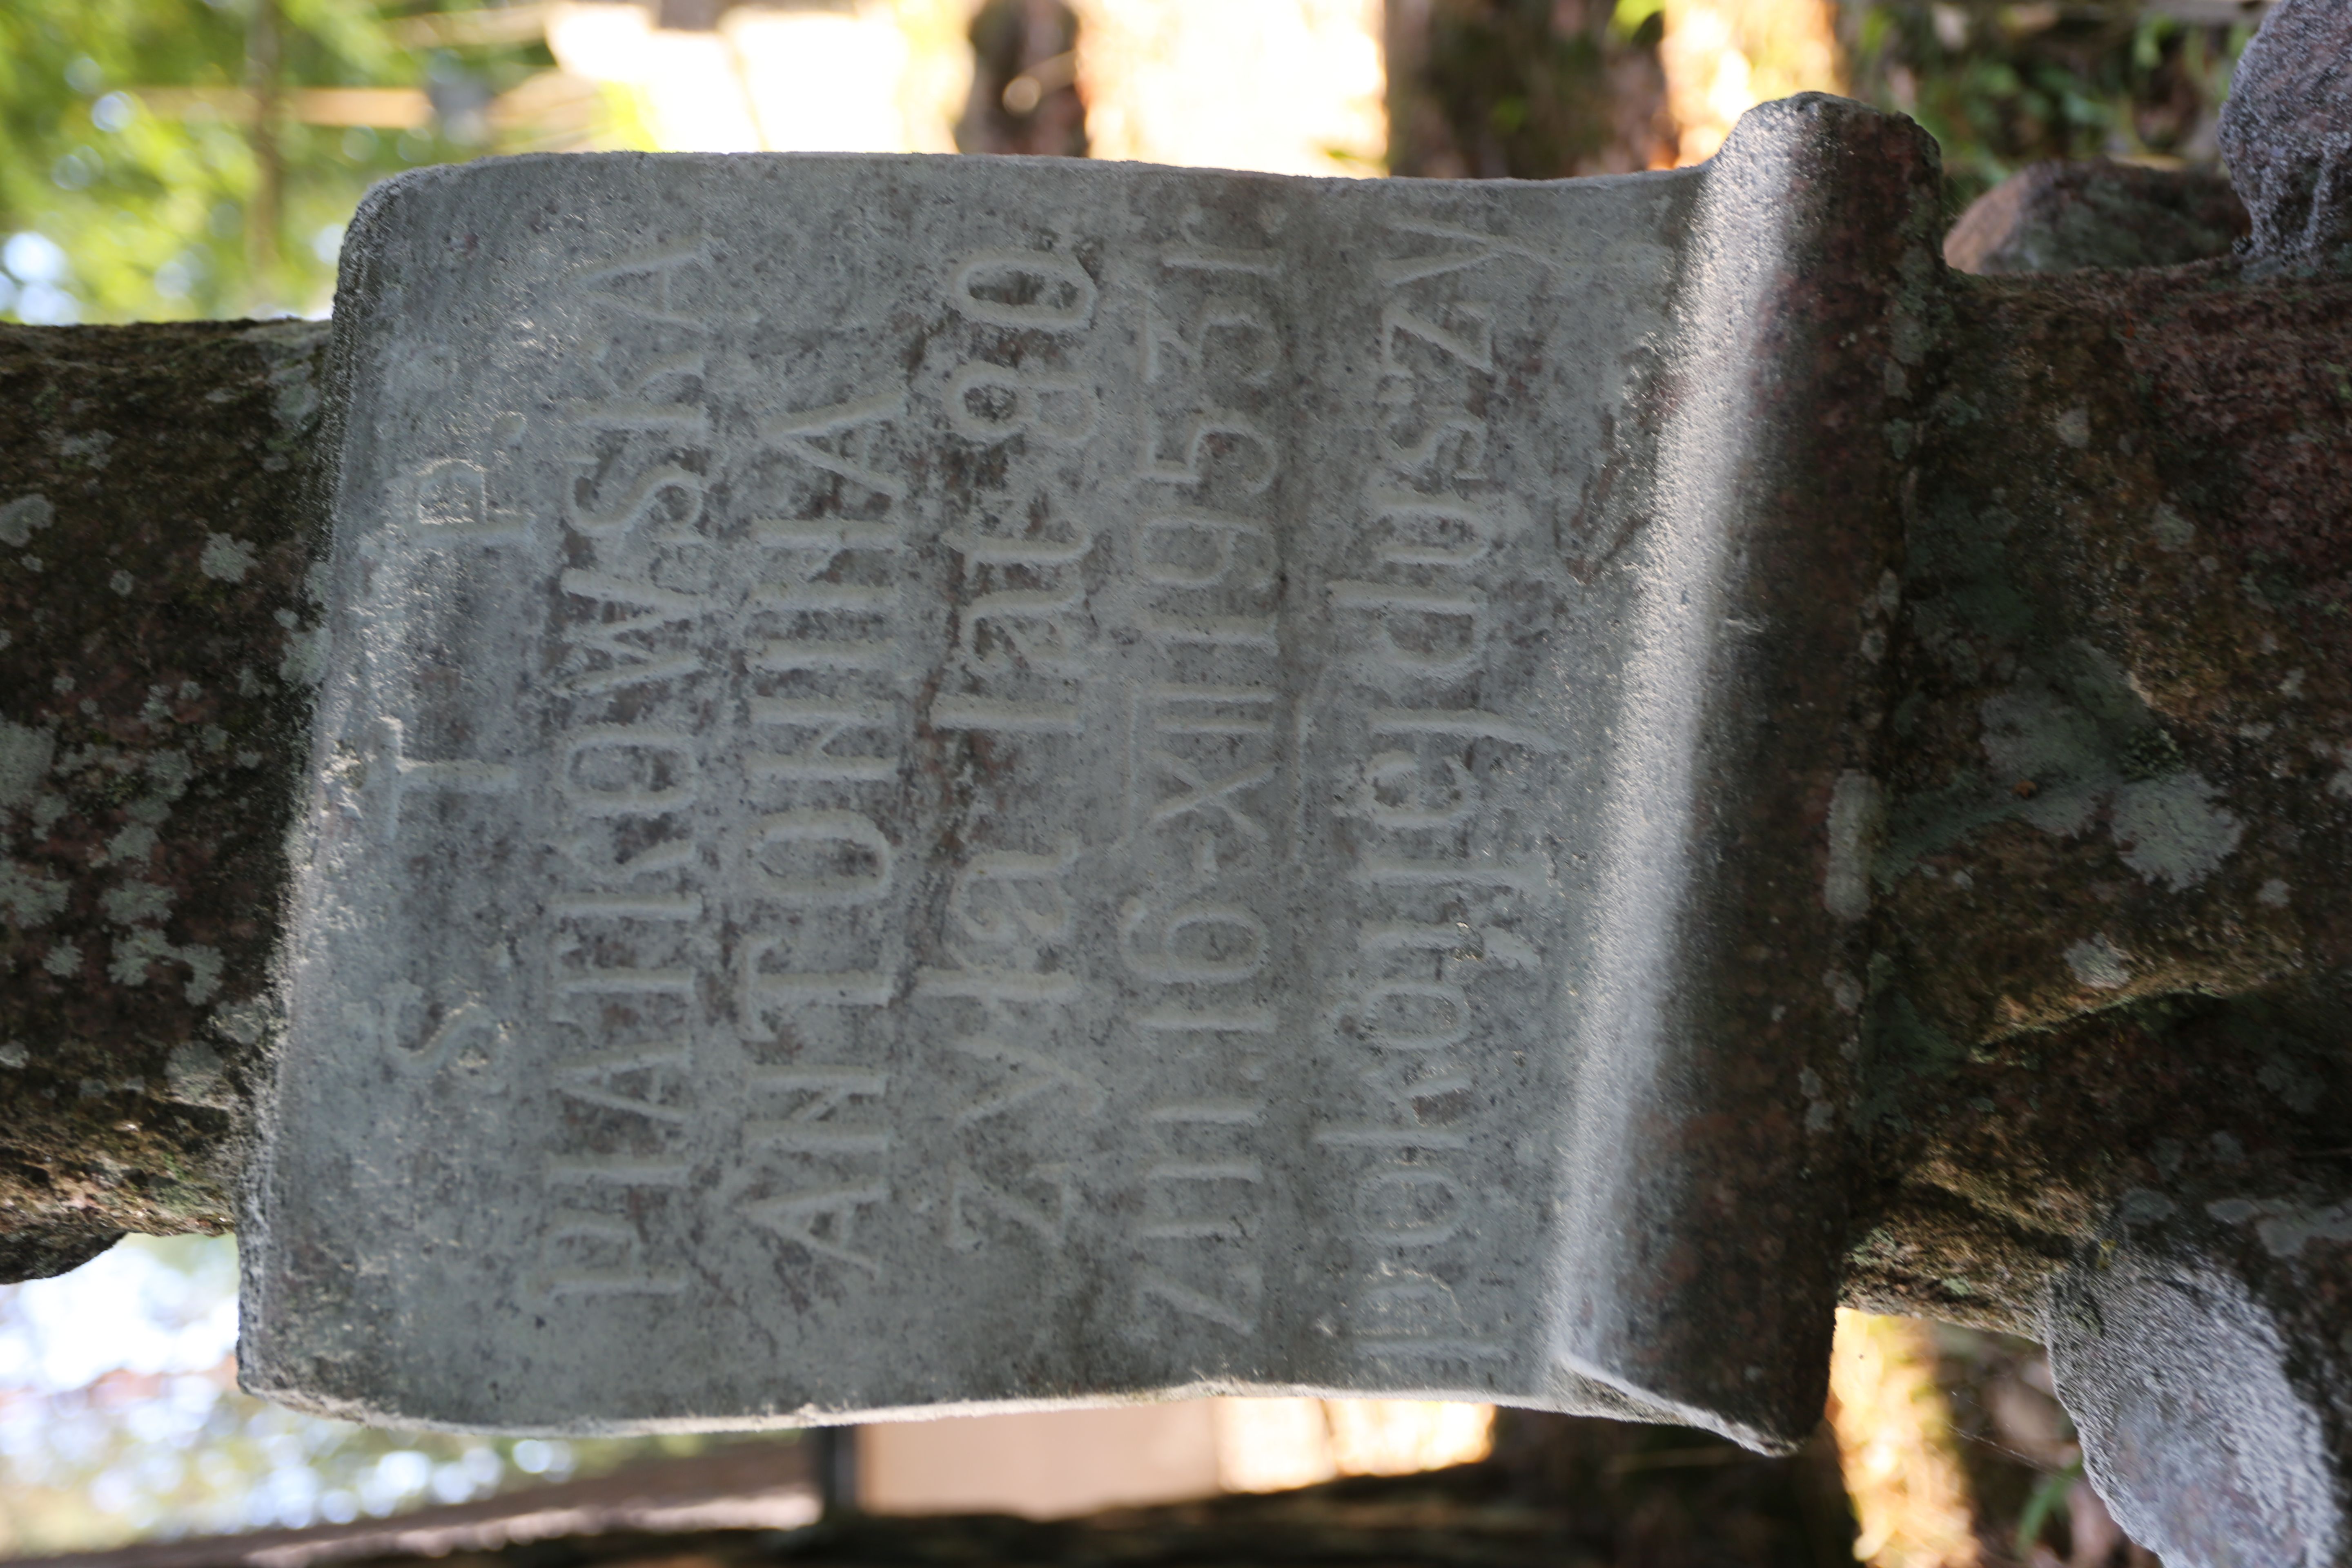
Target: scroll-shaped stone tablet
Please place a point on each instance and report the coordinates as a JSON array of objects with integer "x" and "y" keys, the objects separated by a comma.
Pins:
[{"x": 956, "y": 781}]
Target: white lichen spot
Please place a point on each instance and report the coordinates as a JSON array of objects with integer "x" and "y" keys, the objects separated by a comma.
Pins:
[
  {"x": 121, "y": 583},
  {"x": 35, "y": 564},
  {"x": 2074, "y": 426},
  {"x": 296, "y": 399},
  {"x": 14, "y": 1056},
  {"x": 195, "y": 1072},
  {"x": 247, "y": 683},
  {"x": 305, "y": 663},
  {"x": 249, "y": 758},
  {"x": 20, "y": 516},
  {"x": 170, "y": 771},
  {"x": 63, "y": 959},
  {"x": 1819, "y": 1112},
  {"x": 134, "y": 953},
  {"x": 213, "y": 738},
  {"x": 2340, "y": 786},
  {"x": 244, "y": 1021},
  {"x": 1844, "y": 990},
  {"x": 2271, "y": 895},
  {"x": 24, "y": 757},
  {"x": 32, "y": 898},
  {"x": 135, "y": 842},
  {"x": 2097, "y": 964},
  {"x": 90, "y": 449},
  {"x": 2169, "y": 831},
  {"x": 225, "y": 559},
  {"x": 135, "y": 904},
  {"x": 203, "y": 972},
  {"x": 1854, "y": 829},
  {"x": 2172, "y": 531},
  {"x": 2292, "y": 685}
]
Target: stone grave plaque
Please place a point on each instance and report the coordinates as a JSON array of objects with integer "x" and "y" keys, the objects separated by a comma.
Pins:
[{"x": 957, "y": 782}]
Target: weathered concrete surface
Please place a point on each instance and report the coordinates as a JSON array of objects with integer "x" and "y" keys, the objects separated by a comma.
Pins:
[
  {"x": 2287, "y": 134},
  {"x": 2204, "y": 1354},
  {"x": 2112, "y": 917},
  {"x": 944, "y": 783},
  {"x": 2064, "y": 216},
  {"x": 155, "y": 655}
]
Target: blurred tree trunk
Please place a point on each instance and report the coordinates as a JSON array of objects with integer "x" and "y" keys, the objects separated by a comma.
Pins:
[
  {"x": 1025, "y": 95},
  {"x": 1523, "y": 90}
]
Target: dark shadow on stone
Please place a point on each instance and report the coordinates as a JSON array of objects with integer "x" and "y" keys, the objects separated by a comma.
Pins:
[{"x": 43, "y": 1252}]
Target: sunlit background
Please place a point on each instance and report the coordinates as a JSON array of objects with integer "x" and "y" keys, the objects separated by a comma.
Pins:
[
  {"x": 184, "y": 159},
  {"x": 172, "y": 159},
  {"x": 119, "y": 1418}
]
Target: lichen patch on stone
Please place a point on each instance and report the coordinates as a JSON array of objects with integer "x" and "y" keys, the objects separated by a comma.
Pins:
[
  {"x": 26, "y": 753},
  {"x": 2170, "y": 831},
  {"x": 2097, "y": 964},
  {"x": 225, "y": 559},
  {"x": 20, "y": 516}
]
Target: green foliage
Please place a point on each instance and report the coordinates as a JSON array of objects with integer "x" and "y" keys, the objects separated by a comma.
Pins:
[
  {"x": 156, "y": 205},
  {"x": 2003, "y": 85}
]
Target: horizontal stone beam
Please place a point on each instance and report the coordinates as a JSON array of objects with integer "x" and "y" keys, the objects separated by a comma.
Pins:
[
  {"x": 1996, "y": 963},
  {"x": 157, "y": 658}
]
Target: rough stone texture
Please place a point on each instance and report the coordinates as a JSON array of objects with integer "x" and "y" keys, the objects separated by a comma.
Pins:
[
  {"x": 2109, "y": 920},
  {"x": 2063, "y": 216},
  {"x": 2113, "y": 924},
  {"x": 960, "y": 783},
  {"x": 2204, "y": 1354},
  {"x": 155, "y": 656},
  {"x": 2287, "y": 134}
]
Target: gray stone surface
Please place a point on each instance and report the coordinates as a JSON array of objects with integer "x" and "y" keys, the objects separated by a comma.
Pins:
[
  {"x": 2200, "y": 1348},
  {"x": 954, "y": 782},
  {"x": 2287, "y": 134}
]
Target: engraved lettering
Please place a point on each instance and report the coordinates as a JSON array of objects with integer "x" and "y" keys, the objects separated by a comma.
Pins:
[{"x": 1058, "y": 295}]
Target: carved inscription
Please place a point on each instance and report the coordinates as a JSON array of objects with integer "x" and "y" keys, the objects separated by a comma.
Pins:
[
  {"x": 1437, "y": 907},
  {"x": 627, "y": 1009},
  {"x": 828, "y": 720},
  {"x": 1209, "y": 763},
  {"x": 629, "y": 857},
  {"x": 957, "y": 782},
  {"x": 1008, "y": 993}
]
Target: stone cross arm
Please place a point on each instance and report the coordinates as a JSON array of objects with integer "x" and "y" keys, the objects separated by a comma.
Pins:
[{"x": 898, "y": 783}]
